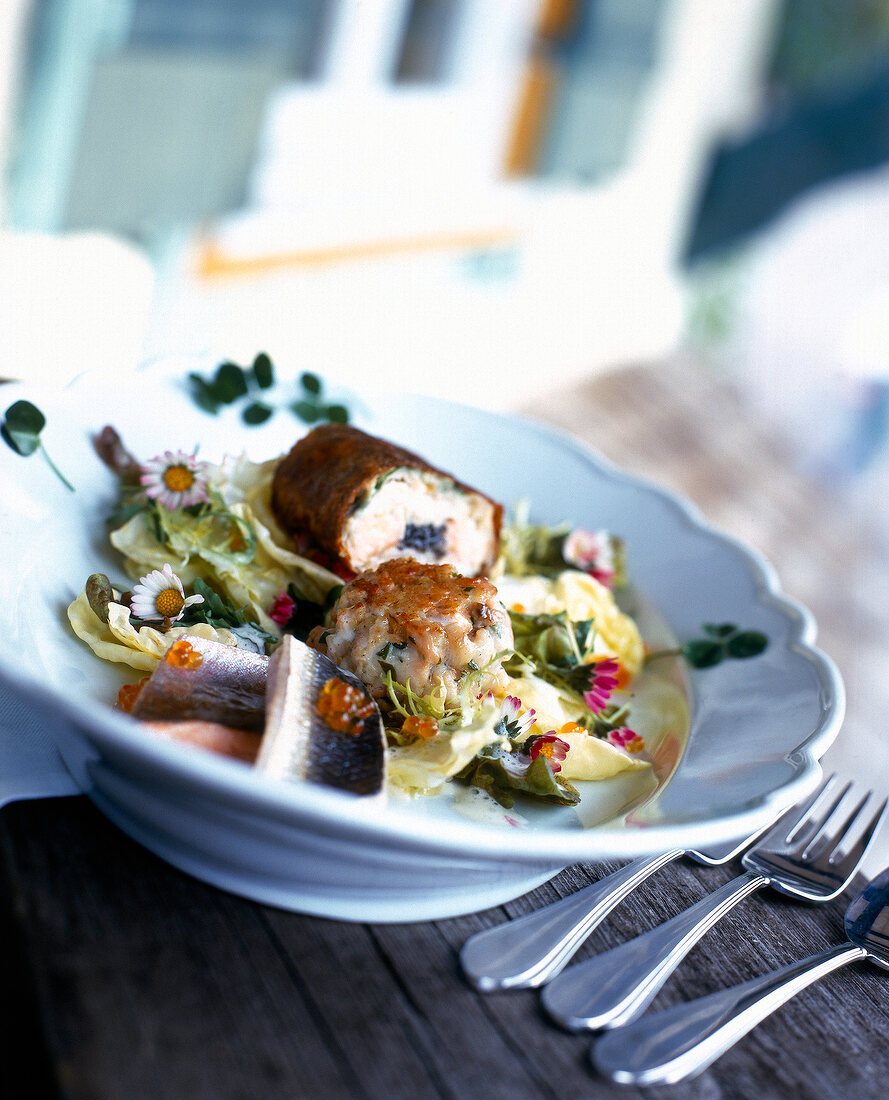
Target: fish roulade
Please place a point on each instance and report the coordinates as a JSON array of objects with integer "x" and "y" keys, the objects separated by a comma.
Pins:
[{"x": 364, "y": 501}]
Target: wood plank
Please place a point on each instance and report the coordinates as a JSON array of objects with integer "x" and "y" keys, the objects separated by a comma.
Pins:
[{"x": 152, "y": 984}]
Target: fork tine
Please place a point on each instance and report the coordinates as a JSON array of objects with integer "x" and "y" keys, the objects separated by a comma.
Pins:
[
  {"x": 787, "y": 824},
  {"x": 848, "y": 862},
  {"x": 811, "y": 823},
  {"x": 831, "y": 833}
]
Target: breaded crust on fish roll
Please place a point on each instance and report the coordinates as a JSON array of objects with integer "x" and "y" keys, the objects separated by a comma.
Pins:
[{"x": 366, "y": 501}]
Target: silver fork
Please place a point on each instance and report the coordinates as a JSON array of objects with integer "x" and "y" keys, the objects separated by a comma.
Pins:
[
  {"x": 530, "y": 950},
  {"x": 808, "y": 855},
  {"x": 680, "y": 1042}
]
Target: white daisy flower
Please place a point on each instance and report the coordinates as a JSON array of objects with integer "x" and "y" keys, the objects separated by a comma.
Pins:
[
  {"x": 518, "y": 722},
  {"x": 160, "y": 595},
  {"x": 514, "y": 721},
  {"x": 591, "y": 551},
  {"x": 175, "y": 479}
]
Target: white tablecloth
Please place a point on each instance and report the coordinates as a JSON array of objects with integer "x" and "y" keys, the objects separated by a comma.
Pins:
[{"x": 30, "y": 766}]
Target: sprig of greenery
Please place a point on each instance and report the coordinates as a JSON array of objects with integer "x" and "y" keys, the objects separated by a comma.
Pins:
[
  {"x": 231, "y": 384},
  {"x": 22, "y": 424},
  {"x": 558, "y": 649},
  {"x": 312, "y": 407},
  {"x": 308, "y": 613},
  {"x": 722, "y": 641},
  {"x": 527, "y": 547},
  {"x": 221, "y": 612},
  {"x": 405, "y": 702},
  {"x": 503, "y": 773}
]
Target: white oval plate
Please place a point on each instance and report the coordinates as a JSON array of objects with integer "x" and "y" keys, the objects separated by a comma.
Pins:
[{"x": 756, "y": 732}]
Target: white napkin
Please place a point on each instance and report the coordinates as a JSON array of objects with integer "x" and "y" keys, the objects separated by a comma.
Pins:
[{"x": 30, "y": 766}]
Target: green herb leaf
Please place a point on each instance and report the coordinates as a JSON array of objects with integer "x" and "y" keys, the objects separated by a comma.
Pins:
[
  {"x": 719, "y": 630},
  {"x": 306, "y": 614},
  {"x": 333, "y": 594},
  {"x": 546, "y": 638},
  {"x": 252, "y": 637},
  {"x": 128, "y": 508},
  {"x": 311, "y": 383},
  {"x": 702, "y": 653},
  {"x": 384, "y": 653},
  {"x": 725, "y": 641},
  {"x": 558, "y": 649},
  {"x": 263, "y": 371},
  {"x": 229, "y": 383},
  {"x": 220, "y": 612},
  {"x": 23, "y": 422},
  {"x": 256, "y": 413},
  {"x": 503, "y": 775},
  {"x": 748, "y": 643},
  {"x": 308, "y": 412},
  {"x": 202, "y": 394},
  {"x": 22, "y": 427}
]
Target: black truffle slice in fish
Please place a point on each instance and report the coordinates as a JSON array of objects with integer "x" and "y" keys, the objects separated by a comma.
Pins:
[{"x": 321, "y": 723}]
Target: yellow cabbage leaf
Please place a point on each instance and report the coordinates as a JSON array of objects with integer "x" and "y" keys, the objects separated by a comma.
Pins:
[
  {"x": 588, "y": 757},
  {"x": 591, "y": 758},
  {"x": 582, "y": 597},
  {"x": 553, "y": 706},
  {"x": 120, "y": 642},
  {"x": 423, "y": 766}
]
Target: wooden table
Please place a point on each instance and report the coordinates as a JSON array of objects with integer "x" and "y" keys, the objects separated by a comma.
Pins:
[{"x": 124, "y": 978}]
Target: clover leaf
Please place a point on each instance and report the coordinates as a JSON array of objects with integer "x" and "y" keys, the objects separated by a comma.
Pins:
[
  {"x": 311, "y": 407},
  {"x": 22, "y": 424},
  {"x": 231, "y": 383},
  {"x": 724, "y": 640}
]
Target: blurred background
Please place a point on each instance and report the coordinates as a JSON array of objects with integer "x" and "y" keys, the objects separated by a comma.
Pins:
[{"x": 479, "y": 199}]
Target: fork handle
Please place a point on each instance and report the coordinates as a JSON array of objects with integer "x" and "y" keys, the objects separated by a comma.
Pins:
[
  {"x": 530, "y": 949},
  {"x": 615, "y": 987},
  {"x": 680, "y": 1042}
]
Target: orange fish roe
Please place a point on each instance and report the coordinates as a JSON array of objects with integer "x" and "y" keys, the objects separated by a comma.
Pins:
[
  {"x": 129, "y": 693},
  {"x": 343, "y": 707},
  {"x": 416, "y": 725},
  {"x": 573, "y": 727},
  {"x": 182, "y": 654}
]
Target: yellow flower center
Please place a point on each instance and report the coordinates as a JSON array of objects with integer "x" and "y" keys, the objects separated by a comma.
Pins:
[
  {"x": 178, "y": 478},
  {"x": 546, "y": 749},
  {"x": 169, "y": 603}
]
